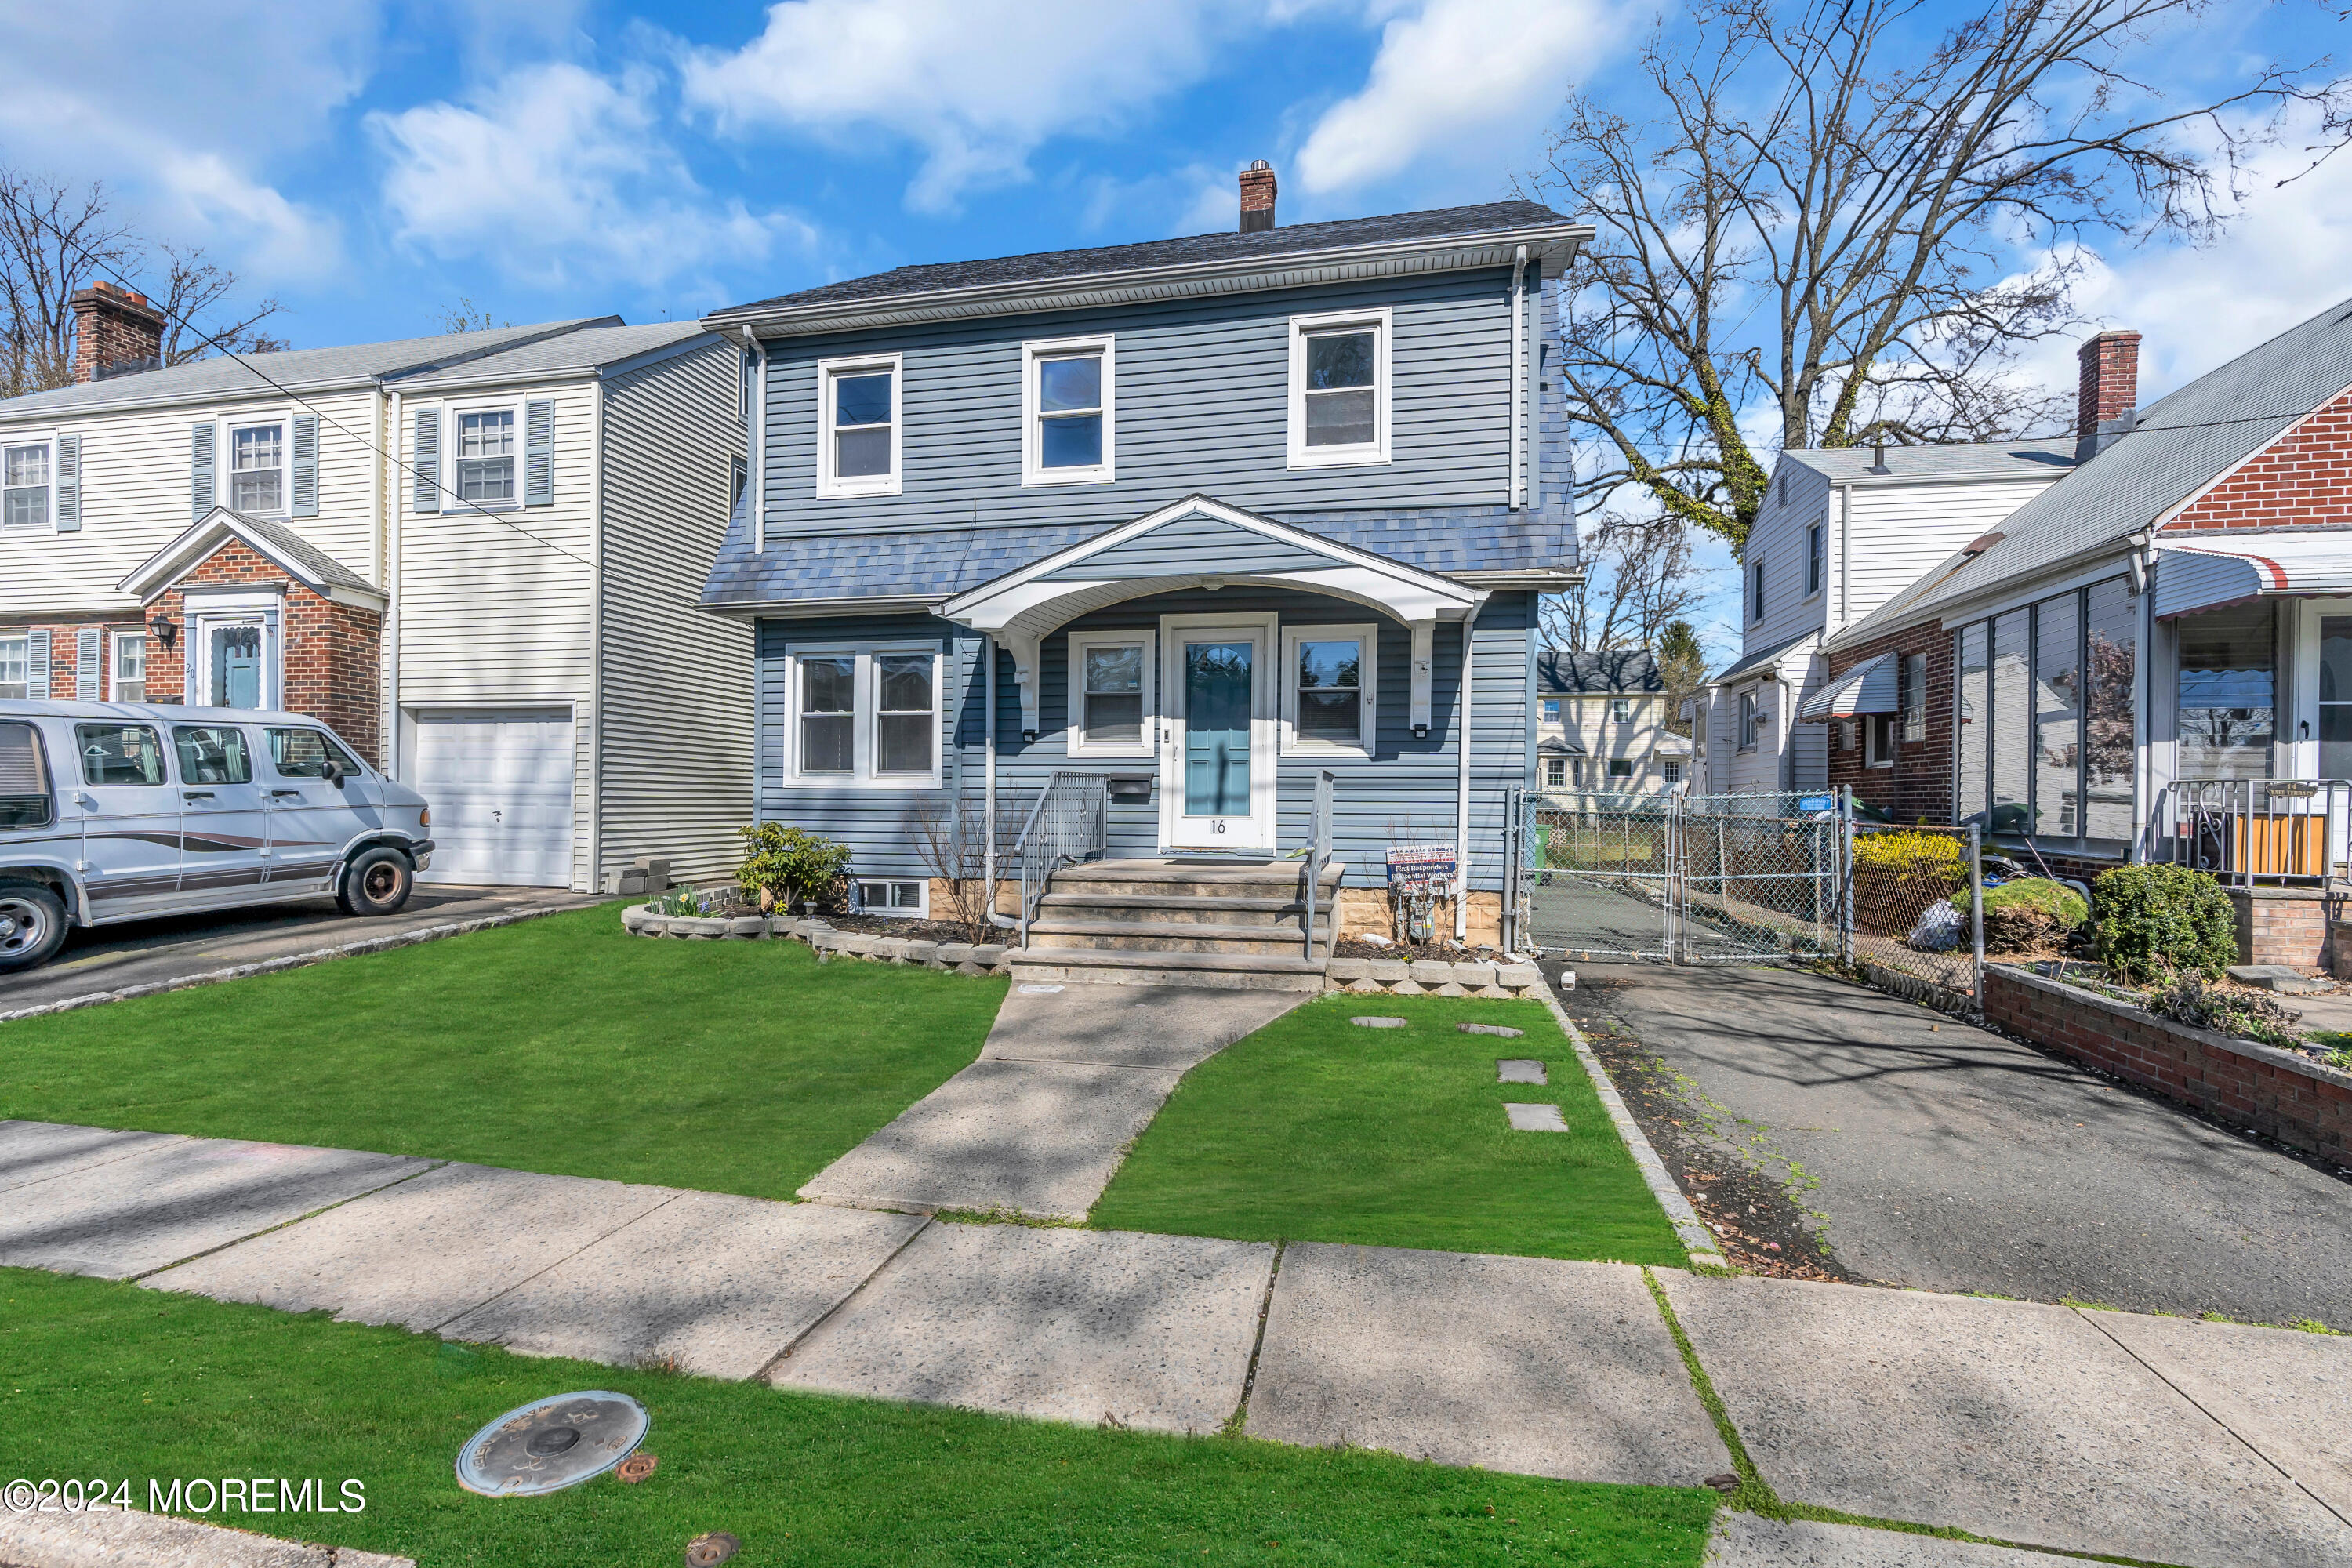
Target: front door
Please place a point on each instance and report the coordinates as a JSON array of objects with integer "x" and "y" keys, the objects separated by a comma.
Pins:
[
  {"x": 231, "y": 664},
  {"x": 1217, "y": 768}
]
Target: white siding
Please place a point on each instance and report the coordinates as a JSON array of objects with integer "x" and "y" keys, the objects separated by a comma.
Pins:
[
  {"x": 1900, "y": 532},
  {"x": 1644, "y": 738},
  {"x": 1778, "y": 539}
]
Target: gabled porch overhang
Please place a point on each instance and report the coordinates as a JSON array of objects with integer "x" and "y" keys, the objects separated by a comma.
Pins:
[
  {"x": 301, "y": 561},
  {"x": 1200, "y": 543}
]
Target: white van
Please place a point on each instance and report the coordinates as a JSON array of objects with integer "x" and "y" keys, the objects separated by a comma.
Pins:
[{"x": 118, "y": 811}]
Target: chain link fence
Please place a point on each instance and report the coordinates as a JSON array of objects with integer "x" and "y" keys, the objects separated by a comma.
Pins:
[
  {"x": 1916, "y": 925},
  {"x": 1758, "y": 878}
]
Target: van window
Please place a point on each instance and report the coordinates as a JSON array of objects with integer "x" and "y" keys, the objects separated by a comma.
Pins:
[
  {"x": 120, "y": 754},
  {"x": 304, "y": 754},
  {"x": 212, "y": 754},
  {"x": 24, "y": 780}
]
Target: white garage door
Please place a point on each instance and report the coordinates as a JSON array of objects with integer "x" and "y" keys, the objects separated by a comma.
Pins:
[{"x": 499, "y": 783}]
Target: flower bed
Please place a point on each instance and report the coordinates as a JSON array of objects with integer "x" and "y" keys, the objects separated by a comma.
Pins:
[{"x": 965, "y": 958}]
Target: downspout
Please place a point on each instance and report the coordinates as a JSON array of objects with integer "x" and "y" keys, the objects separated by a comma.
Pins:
[
  {"x": 1519, "y": 383},
  {"x": 391, "y": 581},
  {"x": 755, "y": 428},
  {"x": 596, "y": 634},
  {"x": 1462, "y": 785},
  {"x": 2143, "y": 581},
  {"x": 988, "y": 652}
]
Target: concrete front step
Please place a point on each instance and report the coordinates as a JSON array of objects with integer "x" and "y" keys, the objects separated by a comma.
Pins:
[
  {"x": 1172, "y": 936},
  {"x": 1179, "y": 909},
  {"x": 1193, "y": 878},
  {"x": 1162, "y": 966}
]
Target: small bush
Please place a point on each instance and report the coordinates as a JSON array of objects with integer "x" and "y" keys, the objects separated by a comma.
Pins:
[
  {"x": 2190, "y": 1000},
  {"x": 2158, "y": 920},
  {"x": 2030, "y": 912},
  {"x": 1932, "y": 863},
  {"x": 790, "y": 866}
]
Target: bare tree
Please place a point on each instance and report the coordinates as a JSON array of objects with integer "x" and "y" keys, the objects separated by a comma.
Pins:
[
  {"x": 197, "y": 290},
  {"x": 1821, "y": 214},
  {"x": 1639, "y": 576},
  {"x": 465, "y": 316},
  {"x": 951, "y": 837}
]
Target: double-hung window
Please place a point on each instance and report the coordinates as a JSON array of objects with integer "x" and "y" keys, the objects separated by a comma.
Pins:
[
  {"x": 1111, "y": 694},
  {"x": 1328, "y": 689},
  {"x": 128, "y": 678},
  {"x": 17, "y": 665},
  {"x": 25, "y": 480},
  {"x": 859, "y": 405},
  {"x": 257, "y": 468},
  {"x": 1068, "y": 412},
  {"x": 865, "y": 715},
  {"x": 1551, "y": 710},
  {"x": 1621, "y": 709},
  {"x": 1746, "y": 738},
  {"x": 1555, "y": 773},
  {"x": 1339, "y": 389},
  {"x": 486, "y": 456}
]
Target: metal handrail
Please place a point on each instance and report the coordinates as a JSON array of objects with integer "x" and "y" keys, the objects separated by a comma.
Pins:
[
  {"x": 1070, "y": 822},
  {"x": 1319, "y": 853},
  {"x": 2249, "y": 830}
]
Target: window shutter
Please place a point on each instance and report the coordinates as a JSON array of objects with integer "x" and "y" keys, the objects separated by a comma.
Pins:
[
  {"x": 200, "y": 469},
  {"x": 305, "y": 477},
  {"x": 68, "y": 514},
  {"x": 538, "y": 452},
  {"x": 89, "y": 666},
  {"x": 428, "y": 459},
  {"x": 36, "y": 668}
]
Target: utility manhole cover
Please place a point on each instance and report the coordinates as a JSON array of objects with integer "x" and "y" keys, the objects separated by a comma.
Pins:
[{"x": 553, "y": 1444}]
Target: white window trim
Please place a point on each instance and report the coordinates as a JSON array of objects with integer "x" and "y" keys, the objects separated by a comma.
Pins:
[
  {"x": 453, "y": 416},
  {"x": 29, "y": 683},
  {"x": 1871, "y": 755},
  {"x": 829, "y": 487},
  {"x": 114, "y": 663},
  {"x": 1755, "y": 590},
  {"x": 1382, "y": 320},
  {"x": 1817, "y": 553},
  {"x": 1745, "y": 713},
  {"x": 1145, "y": 746},
  {"x": 1032, "y": 469},
  {"x": 865, "y": 725},
  {"x": 1368, "y": 635},
  {"x": 921, "y": 912},
  {"x": 1633, "y": 769},
  {"x": 45, "y": 439},
  {"x": 224, "y": 469},
  {"x": 1555, "y": 773}
]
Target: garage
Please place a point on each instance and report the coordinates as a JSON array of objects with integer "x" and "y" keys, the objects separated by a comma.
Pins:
[{"x": 499, "y": 783}]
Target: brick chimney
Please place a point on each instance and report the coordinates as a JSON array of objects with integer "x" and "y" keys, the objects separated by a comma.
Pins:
[
  {"x": 2106, "y": 393},
  {"x": 1258, "y": 198},
  {"x": 116, "y": 333}
]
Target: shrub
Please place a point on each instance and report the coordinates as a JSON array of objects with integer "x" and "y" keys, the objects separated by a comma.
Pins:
[
  {"x": 790, "y": 866},
  {"x": 2157, "y": 921},
  {"x": 1916, "y": 861},
  {"x": 2188, "y": 999},
  {"x": 2030, "y": 912}
]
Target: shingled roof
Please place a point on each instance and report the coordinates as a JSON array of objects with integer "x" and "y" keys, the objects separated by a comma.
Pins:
[{"x": 1616, "y": 671}]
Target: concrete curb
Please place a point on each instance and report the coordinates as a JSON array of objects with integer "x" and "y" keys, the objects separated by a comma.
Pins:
[
  {"x": 1698, "y": 1241},
  {"x": 295, "y": 960}
]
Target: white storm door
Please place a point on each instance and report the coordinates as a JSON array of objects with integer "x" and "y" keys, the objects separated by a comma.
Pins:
[
  {"x": 1217, "y": 748},
  {"x": 500, "y": 783}
]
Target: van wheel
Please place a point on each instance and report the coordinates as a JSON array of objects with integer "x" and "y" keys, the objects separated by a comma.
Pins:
[
  {"x": 32, "y": 925},
  {"x": 377, "y": 882}
]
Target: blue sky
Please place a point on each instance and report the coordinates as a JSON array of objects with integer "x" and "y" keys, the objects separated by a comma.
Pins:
[{"x": 371, "y": 161}]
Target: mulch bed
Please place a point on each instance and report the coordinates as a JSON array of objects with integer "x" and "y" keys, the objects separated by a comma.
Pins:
[{"x": 913, "y": 930}]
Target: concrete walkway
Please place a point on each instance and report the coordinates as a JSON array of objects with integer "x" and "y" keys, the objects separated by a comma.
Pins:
[
  {"x": 1070, "y": 1074},
  {"x": 2171, "y": 1441}
]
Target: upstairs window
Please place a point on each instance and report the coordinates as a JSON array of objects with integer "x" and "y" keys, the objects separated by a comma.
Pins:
[
  {"x": 486, "y": 456},
  {"x": 1339, "y": 389},
  {"x": 257, "y": 468},
  {"x": 858, "y": 421},
  {"x": 1755, "y": 590},
  {"x": 1621, "y": 709},
  {"x": 1551, "y": 710},
  {"x": 1813, "y": 559},
  {"x": 25, "y": 472},
  {"x": 1068, "y": 412}
]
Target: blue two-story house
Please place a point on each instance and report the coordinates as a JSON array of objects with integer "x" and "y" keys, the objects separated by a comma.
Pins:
[{"x": 1197, "y": 519}]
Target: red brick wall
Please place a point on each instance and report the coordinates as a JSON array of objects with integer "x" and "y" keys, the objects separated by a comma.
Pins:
[
  {"x": 2303, "y": 477},
  {"x": 2282, "y": 925},
  {"x": 2284, "y": 1096},
  {"x": 1918, "y": 787},
  {"x": 65, "y": 650}
]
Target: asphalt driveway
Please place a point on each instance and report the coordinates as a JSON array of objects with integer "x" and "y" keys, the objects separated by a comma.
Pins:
[
  {"x": 140, "y": 953},
  {"x": 1944, "y": 1157}
]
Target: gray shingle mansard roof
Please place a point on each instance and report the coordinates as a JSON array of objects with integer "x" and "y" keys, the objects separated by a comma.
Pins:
[
  {"x": 1041, "y": 267},
  {"x": 2176, "y": 446},
  {"x": 351, "y": 364},
  {"x": 1614, "y": 670}
]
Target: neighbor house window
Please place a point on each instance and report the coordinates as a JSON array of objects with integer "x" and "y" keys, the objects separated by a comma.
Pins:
[
  {"x": 1339, "y": 389},
  {"x": 1621, "y": 767},
  {"x": 129, "y": 676},
  {"x": 257, "y": 468},
  {"x": 26, "y": 500},
  {"x": 1067, "y": 408},
  {"x": 1912, "y": 682},
  {"x": 1621, "y": 709},
  {"x": 865, "y": 715},
  {"x": 1551, "y": 710},
  {"x": 1878, "y": 740},
  {"x": 1746, "y": 737},
  {"x": 1671, "y": 772},
  {"x": 1813, "y": 559},
  {"x": 486, "y": 456},
  {"x": 1555, "y": 773},
  {"x": 902, "y": 899},
  {"x": 1755, "y": 590},
  {"x": 1110, "y": 685},
  {"x": 16, "y": 666},
  {"x": 1326, "y": 689},
  {"x": 858, "y": 426}
]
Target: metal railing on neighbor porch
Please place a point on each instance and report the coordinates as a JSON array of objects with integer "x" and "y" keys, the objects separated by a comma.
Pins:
[
  {"x": 2256, "y": 830},
  {"x": 1070, "y": 822},
  {"x": 1318, "y": 855}
]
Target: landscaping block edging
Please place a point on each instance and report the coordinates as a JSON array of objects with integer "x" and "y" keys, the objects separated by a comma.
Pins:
[
  {"x": 962, "y": 957},
  {"x": 1430, "y": 977},
  {"x": 2280, "y": 1094}
]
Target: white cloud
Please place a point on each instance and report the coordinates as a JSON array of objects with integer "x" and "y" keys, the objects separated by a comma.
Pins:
[
  {"x": 1451, "y": 79},
  {"x": 977, "y": 85},
  {"x": 557, "y": 174}
]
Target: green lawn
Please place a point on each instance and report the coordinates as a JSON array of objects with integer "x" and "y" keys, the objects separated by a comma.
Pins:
[
  {"x": 560, "y": 1044},
  {"x": 1314, "y": 1130},
  {"x": 106, "y": 1380}
]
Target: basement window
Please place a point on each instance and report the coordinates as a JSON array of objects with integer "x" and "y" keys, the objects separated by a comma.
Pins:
[{"x": 899, "y": 900}]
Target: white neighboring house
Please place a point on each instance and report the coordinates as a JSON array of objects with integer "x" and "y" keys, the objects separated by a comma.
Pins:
[
  {"x": 1602, "y": 724},
  {"x": 1841, "y": 531},
  {"x": 512, "y": 628}
]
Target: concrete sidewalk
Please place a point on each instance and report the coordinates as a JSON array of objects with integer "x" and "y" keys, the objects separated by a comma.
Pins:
[{"x": 2200, "y": 1444}]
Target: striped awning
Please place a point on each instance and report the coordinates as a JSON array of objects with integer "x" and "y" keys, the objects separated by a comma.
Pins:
[
  {"x": 2206, "y": 574},
  {"x": 1866, "y": 688}
]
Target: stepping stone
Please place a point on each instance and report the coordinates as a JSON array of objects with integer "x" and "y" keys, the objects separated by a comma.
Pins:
[
  {"x": 1535, "y": 1118},
  {"x": 1496, "y": 1029},
  {"x": 1377, "y": 1023},
  {"x": 1525, "y": 1364},
  {"x": 1519, "y": 1071},
  {"x": 1097, "y": 1328}
]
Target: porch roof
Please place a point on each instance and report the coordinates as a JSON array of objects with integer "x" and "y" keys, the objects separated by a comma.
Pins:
[
  {"x": 2210, "y": 574},
  {"x": 296, "y": 557},
  {"x": 1866, "y": 688}
]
